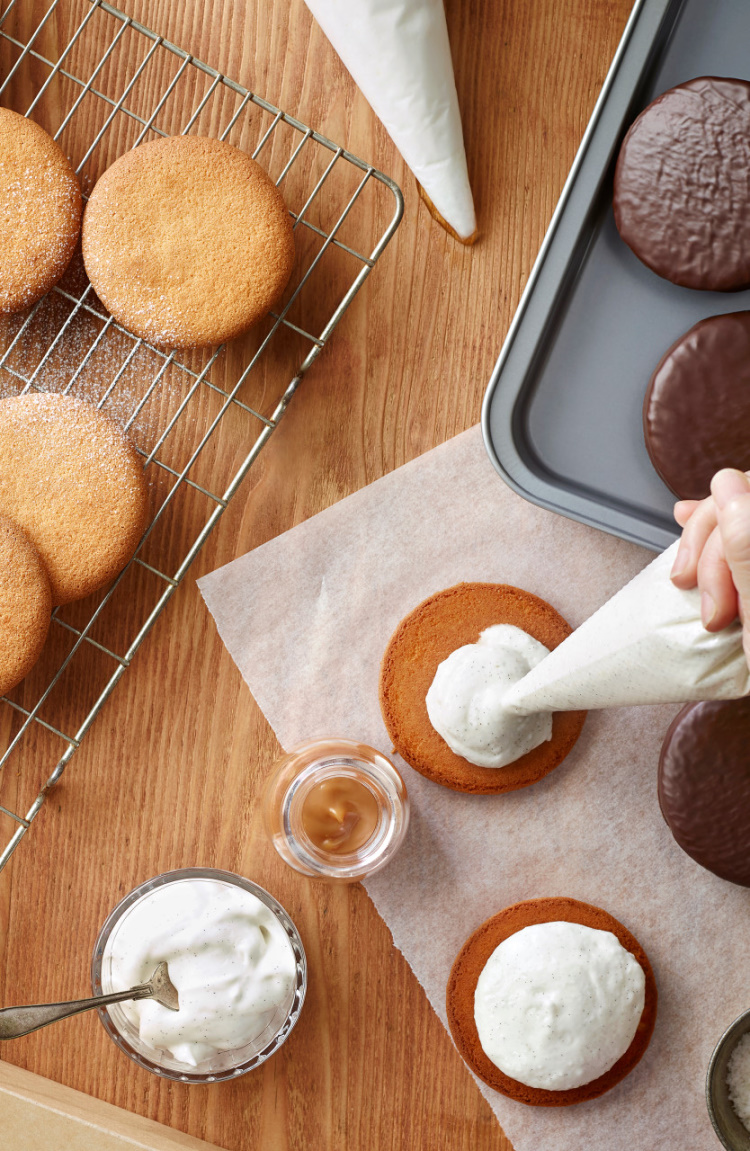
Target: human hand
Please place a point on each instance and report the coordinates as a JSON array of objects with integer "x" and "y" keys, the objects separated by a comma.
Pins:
[{"x": 714, "y": 553}]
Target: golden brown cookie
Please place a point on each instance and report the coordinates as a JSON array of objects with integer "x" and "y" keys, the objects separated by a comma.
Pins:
[
  {"x": 446, "y": 621},
  {"x": 470, "y": 963},
  {"x": 25, "y": 605},
  {"x": 40, "y": 212},
  {"x": 187, "y": 241},
  {"x": 74, "y": 483}
]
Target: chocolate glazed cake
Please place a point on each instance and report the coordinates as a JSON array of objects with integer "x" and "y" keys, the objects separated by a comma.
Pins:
[
  {"x": 682, "y": 193},
  {"x": 704, "y": 786},
  {"x": 696, "y": 414}
]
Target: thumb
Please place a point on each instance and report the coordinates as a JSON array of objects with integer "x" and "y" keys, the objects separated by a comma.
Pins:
[{"x": 731, "y": 492}]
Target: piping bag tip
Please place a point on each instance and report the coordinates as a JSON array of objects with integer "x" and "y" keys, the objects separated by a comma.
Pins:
[{"x": 467, "y": 241}]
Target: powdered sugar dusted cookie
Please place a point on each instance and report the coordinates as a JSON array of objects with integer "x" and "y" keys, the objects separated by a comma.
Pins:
[
  {"x": 187, "y": 241},
  {"x": 25, "y": 605},
  {"x": 74, "y": 483},
  {"x": 40, "y": 212}
]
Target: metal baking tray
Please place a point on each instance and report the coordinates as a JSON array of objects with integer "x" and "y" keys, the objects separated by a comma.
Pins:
[{"x": 562, "y": 416}]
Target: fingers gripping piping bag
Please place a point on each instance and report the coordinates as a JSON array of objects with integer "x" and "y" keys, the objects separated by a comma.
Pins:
[{"x": 645, "y": 645}]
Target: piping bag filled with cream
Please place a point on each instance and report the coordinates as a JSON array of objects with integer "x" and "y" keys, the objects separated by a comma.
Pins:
[
  {"x": 645, "y": 645},
  {"x": 398, "y": 54}
]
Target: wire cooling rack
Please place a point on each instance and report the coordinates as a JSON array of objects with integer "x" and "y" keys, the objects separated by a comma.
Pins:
[{"x": 101, "y": 83}]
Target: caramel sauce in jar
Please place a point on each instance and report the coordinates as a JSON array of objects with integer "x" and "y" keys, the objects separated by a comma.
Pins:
[
  {"x": 335, "y": 809},
  {"x": 340, "y": 814}
]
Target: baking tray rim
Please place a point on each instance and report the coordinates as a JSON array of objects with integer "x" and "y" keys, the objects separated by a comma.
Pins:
[{"x": 541, "y": 491}]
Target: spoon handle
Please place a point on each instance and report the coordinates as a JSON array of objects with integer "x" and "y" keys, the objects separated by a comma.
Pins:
[{"x": 16, "y": 1021}]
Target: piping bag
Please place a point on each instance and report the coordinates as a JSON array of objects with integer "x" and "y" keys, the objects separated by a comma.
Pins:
[
  {"x": 398, "y": 54},
  {"x": 645, "y": 645}
]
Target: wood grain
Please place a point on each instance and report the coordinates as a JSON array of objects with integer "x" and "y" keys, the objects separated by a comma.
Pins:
[{"x": 171, "y": 772}]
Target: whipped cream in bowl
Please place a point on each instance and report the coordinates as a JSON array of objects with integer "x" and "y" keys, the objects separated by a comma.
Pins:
[{"x": 234, "y": 956}]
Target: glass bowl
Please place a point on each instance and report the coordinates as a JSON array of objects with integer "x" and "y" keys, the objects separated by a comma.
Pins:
[
  {"x": 225, "y": 1064},
  {"x": 318, "y": 760}
]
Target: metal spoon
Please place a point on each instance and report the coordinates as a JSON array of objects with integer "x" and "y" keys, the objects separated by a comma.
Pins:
[{"x": 15, "y": 1021}]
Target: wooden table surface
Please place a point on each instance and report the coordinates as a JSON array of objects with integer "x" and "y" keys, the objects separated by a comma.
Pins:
[{"x": 170, "y": 774}]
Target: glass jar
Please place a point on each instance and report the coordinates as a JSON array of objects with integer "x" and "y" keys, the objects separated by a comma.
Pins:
[
  {"x": 224, "y": 1064},
  {"x": 354, "y": 770}
]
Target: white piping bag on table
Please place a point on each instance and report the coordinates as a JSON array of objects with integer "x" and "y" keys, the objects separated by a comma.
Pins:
[
  {"x": 645, "y": 645},
  {"x": 398, "y": 53}
]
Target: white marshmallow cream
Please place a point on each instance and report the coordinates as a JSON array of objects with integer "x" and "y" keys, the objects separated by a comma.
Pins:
[
  {"x": 465, "y": 700},
  {"x": 557, "y": 1004}
]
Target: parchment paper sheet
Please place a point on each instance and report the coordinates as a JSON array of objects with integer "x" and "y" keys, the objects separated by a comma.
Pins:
[{"x": 307, "y": 616}]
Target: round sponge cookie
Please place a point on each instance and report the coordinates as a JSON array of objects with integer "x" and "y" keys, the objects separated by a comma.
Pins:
[
  {"x": 681, "y": 193},
  {"x": 74, "y": 483},
  {"x": 187, "y": 241},
  {"x": 470, "y": 963},
  {"x": 446, "y": 621},
  {"x": 40, "y": 212},
  {"x": 25, "y": 605}
]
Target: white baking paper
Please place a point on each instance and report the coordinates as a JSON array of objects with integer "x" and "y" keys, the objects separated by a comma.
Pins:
[
  {"x": 398, "y": 53},
  {"x": 307, "y": 616}
]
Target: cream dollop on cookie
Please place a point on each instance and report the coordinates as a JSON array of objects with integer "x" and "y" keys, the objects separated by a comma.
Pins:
[
  {"x": 465, "y": 700},
  {"x": 557, "y": 1004},
  {"x": 74, "y": 483}
]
